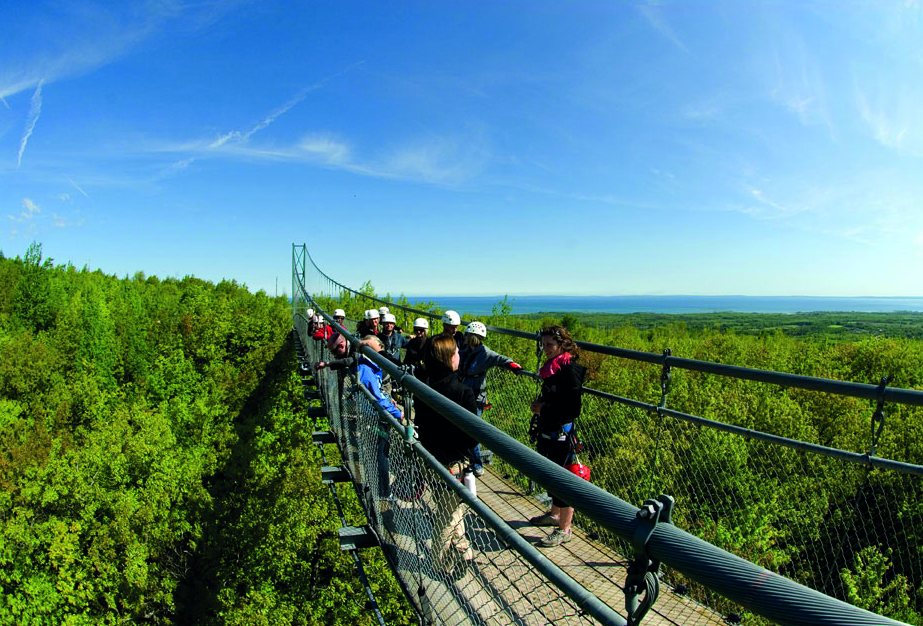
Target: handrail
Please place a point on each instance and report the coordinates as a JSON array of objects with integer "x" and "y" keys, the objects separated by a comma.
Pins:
[
  {"x": 749, "y": 433},
  {"x": 571, "y": 588},
  {"x": 760, "y": 590},
  {"x": 844, "y": 388},
  {"x": 900, "y": 396}
]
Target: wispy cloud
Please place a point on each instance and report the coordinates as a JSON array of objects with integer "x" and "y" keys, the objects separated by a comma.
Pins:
[
  {"x": 24, "y": 221},
  {"x": 240, "y": 137},
  {"x": 654, "y": 15},
  {"x": 35, "y": 110},
  {"x": 432, "y": 159},
  {"x": 30, "y": 209},
  {"x": 892, "y": 117},
  {"x": 326, "y": 148},
  {"x": 799, "y": 87},
  {"x": 31, "y": 219},
  {"x": 869, "y": 209},
  {"x": 80, "y": 37},
  {"x": 243, "y": 136},
  {"x": 438, "y": 159}
]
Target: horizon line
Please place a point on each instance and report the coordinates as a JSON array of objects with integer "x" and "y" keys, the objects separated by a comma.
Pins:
[{"x": 669, "y": 295}]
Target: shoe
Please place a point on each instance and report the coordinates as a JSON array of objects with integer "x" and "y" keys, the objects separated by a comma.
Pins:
[
  {"x": 556, "y": 538},
  {"x": 478, "y": 471},
  {"x": 545, "y": 519}
]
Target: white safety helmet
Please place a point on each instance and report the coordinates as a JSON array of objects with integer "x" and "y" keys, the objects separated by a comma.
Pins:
[
  {"x": 339, "y": 313},
  {"x": 383, "y": 310},
  {"x": 421, "y": 322},
  {"x": 318, "y": 319},
  {"x": 371, "y": 314},
  {"x": 310, "y": 313},
  {"x": 451, "y": 318},
  {"x": 388, "y": 317},
  {"x": 476, "y": 328}
]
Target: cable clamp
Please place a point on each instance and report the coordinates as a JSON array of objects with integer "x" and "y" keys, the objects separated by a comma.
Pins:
[
  {"x": 665, "y": 378},
  {"x": 643, "y": 571},
  {"x": 878, "y": 417}
]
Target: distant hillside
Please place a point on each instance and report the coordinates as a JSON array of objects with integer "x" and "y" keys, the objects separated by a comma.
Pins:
[{"x": 836, "y": 326}]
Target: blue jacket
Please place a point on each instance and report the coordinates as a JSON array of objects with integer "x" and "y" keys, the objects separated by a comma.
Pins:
[{"x": 369, "y": 376}]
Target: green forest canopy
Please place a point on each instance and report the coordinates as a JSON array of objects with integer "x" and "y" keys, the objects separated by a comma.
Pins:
[
  {"x": 156, "y": 459},
  {"x": 157, "y": 465}
]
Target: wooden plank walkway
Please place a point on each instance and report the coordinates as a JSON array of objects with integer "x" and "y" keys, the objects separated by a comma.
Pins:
[{"x": 598, "y": 568}]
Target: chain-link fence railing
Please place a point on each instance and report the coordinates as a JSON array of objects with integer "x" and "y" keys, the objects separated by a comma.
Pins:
[
  {"x": 848, "y": 529},
  {"x": 454, "y": 564}
]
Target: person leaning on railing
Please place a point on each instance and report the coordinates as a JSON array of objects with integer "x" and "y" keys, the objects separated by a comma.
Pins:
[
  {"x": 445, "y": 441},
  {"x": 475, "y": 362},
  {"x": 555, "y": 412},
  {"x": 369, "y": 375}
]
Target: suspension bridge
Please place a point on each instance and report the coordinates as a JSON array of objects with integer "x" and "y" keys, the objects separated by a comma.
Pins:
[{"x": 654, "y": 539}]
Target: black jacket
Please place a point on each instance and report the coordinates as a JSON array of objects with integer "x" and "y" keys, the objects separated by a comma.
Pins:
[
  {"x": 561, "y": 396},
  {"x": 413, "y": 354},
  {"x": 448, "y": 443}
]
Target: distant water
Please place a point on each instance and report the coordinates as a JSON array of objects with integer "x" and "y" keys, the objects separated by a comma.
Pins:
[{"x": 482, "y": 305}]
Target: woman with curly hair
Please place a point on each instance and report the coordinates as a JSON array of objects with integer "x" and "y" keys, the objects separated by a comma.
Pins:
[{"x": 556, "y": 409}]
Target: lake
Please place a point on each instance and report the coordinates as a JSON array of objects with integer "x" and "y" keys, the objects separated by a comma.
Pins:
[{"x": 482, "y": 305}]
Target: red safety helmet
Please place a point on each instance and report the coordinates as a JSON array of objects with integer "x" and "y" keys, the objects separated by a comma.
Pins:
[{"x": 581, "y": 470}]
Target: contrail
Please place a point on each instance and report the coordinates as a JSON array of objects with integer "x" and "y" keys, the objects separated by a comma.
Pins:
[
  {"x": 237, "y": 136},
  {"x": 34, "y": 112},
  {"x": 77, "y": 187}
]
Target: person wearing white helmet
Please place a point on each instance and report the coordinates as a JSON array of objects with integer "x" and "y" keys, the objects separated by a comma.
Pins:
[
  {"x": 472, "y": 371},
  {"x": 413, "y": 354},
  {"x": 383, "y": 310},
  {"x": 450, "y": 323},
  {"x": 309, "y": 314},
  {"x": 369, "y": 325},
  {"x": 339, "y": 316},
  {"x": 392, "y": 339},
  {"x": 322, "y": 330}
]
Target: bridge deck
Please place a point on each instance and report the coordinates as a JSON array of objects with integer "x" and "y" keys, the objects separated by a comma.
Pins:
[
  {"x": 598, "y": 568},
  {"x": 498, "y": 587}
]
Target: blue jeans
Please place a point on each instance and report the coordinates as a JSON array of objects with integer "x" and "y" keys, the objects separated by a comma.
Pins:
[{"x": 475, "y": 453}]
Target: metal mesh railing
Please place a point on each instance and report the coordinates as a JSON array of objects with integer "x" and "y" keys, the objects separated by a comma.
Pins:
[
  {"x": 802, "y": 514},
  {"x": 457, "y": 568},
  {"x": 849, "y": 529}
]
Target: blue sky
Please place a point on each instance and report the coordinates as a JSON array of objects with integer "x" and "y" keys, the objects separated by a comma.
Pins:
[{"x": 727, "y": 147}]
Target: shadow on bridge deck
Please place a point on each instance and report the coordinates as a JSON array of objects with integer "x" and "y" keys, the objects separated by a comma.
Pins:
[
  {"x": 501, "y": 588},
  {"x": 598, "y": 568}
]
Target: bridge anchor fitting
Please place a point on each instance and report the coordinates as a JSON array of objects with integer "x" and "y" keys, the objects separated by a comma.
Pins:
[{"x": 643, "y": 571}]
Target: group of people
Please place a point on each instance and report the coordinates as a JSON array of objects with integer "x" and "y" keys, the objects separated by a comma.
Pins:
[{"x": 455, "y": 365}]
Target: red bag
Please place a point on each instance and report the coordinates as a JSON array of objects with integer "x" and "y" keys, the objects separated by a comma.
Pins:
[{"x": 578, "y": 468}]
